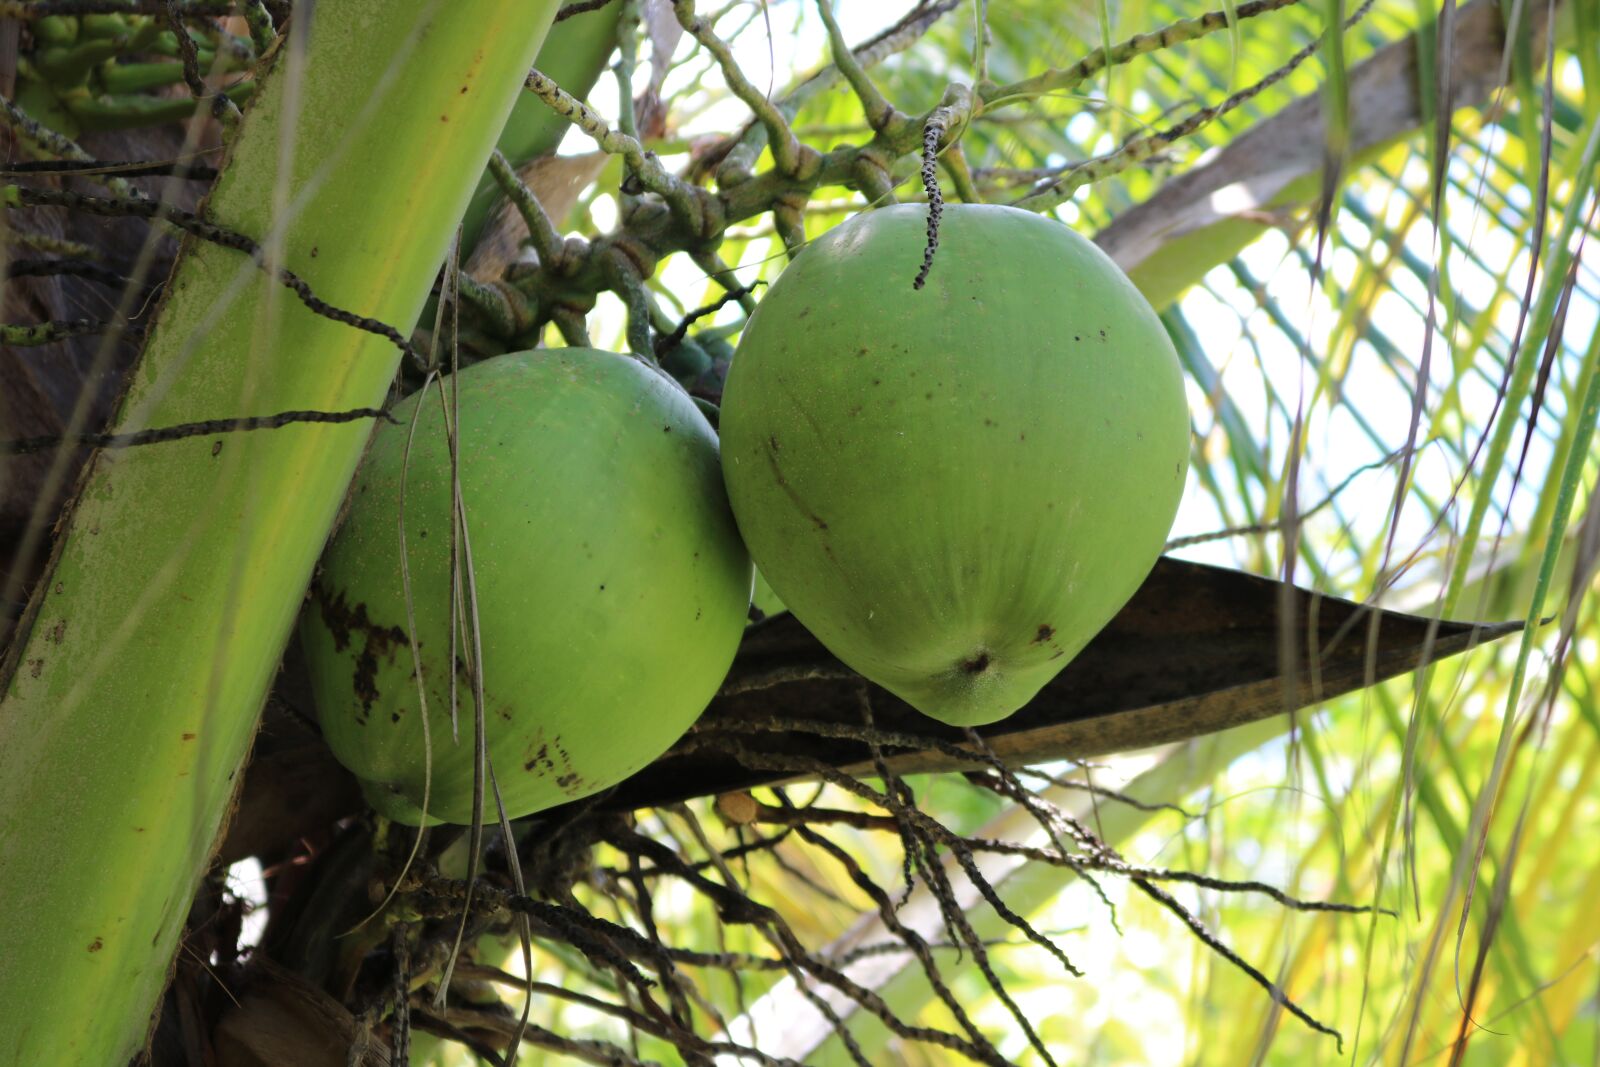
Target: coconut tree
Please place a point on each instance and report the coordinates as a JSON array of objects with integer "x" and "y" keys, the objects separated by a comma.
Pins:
[{"x": 1363, "y": 230}]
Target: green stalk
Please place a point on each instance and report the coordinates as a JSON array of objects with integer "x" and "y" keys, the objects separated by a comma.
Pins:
[
  {"x": 130, "y": 110},
  {"x": 142, "y": 665},
  {"x": 1557, "y": 259}
]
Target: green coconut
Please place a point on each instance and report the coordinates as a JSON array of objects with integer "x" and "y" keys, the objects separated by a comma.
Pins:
[
  {"x": 955, "y": 488},
  {"x": 612, "y": 586}
]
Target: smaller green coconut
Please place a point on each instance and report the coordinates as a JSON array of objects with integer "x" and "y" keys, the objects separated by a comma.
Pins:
[
  {"x": 612, "y": 586},
  {"x": 955, "y": 488}
]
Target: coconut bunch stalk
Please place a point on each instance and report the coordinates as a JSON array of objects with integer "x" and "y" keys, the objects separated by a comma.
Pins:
[{"x": 139, "y": 671}]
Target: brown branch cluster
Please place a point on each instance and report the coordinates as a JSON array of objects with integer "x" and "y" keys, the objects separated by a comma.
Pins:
[
  {"x": 666, "y": 213},
  {"x": 594, "y": 878}
]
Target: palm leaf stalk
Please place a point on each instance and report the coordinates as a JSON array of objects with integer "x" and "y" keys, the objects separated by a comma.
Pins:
[{"x": 144, "y": 658}]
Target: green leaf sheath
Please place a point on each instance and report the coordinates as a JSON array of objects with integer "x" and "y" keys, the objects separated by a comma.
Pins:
[{"x": 147, "y": 652}]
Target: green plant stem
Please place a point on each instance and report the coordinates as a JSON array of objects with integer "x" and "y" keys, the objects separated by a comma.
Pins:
[
  {"x": 1068, "y": 79},
  {"x": 878, "y": 109},
  {"x": 787, "y": 151},
  {"x": 262, "y": 30},
  {"x": 1555, "y": 265},
  {"x": 627, "y": 62},
  {"x": 46, "y": 333},
  {"x": 137, "y": 109},
  {"x": 118, "y": 78},
  {"x": 1138, "y": 149},
  {"x": 741, "y": 158},
  {"x": 652, "y": 175},
  {"x": 541, "y": 231}
]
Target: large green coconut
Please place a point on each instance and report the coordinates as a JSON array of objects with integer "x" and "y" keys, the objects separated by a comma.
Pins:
[
  {"x": 955, "y": 488},
  {"x": 611, "y": 584}
]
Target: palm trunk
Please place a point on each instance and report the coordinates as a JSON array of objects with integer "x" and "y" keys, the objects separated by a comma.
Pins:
[{"x": 140, "y": 670}]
